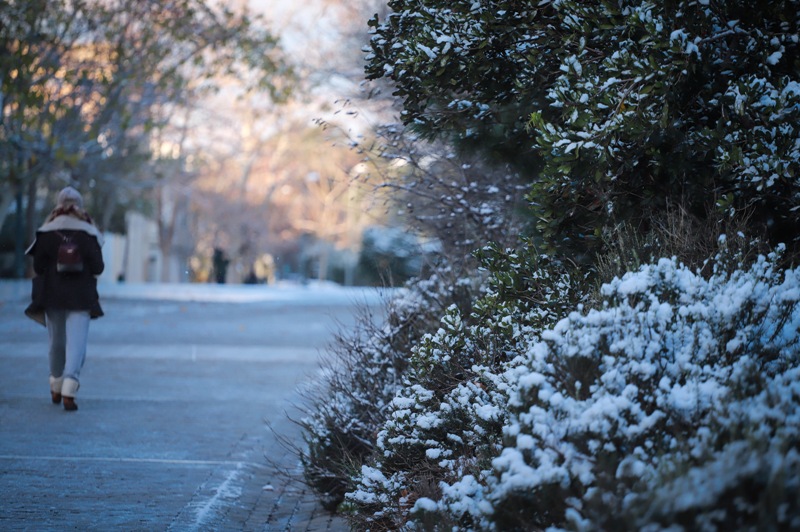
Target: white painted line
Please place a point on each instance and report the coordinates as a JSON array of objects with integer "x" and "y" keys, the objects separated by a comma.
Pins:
[
  {"x": 232, "y": 463},
  {"x": 226, "y": 490}
]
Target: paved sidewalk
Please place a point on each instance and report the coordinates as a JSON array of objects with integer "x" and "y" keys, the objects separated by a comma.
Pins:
[{"x": 171, "y": 432}]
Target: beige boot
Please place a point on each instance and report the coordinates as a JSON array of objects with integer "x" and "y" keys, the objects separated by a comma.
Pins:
[
  {"x": 55, "y": 389},
  {"x": 68, "y": 390}
]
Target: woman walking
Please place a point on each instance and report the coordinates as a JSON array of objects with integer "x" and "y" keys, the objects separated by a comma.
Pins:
[{"x": 67, "y": 260}]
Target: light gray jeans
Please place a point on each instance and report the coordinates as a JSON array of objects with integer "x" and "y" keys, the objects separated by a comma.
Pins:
[{"x": 69, "y": 331}]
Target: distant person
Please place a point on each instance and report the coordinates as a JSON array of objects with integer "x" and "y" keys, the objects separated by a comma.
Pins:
[
  {"x": 220, "y": 264},
  {"x": 67, "y": 260}
]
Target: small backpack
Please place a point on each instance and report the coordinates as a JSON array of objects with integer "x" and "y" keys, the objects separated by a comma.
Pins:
[{"x": 68, "y": 259}]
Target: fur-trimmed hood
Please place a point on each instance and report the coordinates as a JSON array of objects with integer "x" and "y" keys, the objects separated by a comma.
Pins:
[{"x": 68, "y": 223}]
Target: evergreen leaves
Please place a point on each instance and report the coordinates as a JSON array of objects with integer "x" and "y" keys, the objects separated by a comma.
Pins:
[{"x": 615, "y": 111}]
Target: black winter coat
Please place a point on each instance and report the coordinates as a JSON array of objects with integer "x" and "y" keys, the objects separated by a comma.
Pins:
[{"x": 67, "y": 291}]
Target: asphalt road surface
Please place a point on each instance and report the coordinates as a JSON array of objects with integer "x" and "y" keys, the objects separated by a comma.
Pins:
[{"x": 181, "y": 409}]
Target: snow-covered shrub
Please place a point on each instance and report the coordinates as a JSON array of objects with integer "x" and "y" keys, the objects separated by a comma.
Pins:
[
  {"x": 362, "y": 373},
  {"x": 672, "y": 404},
  {"x": 444, "y": 426},
  {"x": 675, "y": 404},
  {"x": 699, "y": 244}
]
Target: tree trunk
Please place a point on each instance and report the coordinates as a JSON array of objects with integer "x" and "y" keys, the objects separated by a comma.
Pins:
[
  {"x": 31, "y": 220},
  {"x": 167, "y": 216},
  {"x": 6, "y": 199},
  {"x": 19, "y": 236},
  {"x": 107, "y": 212}
]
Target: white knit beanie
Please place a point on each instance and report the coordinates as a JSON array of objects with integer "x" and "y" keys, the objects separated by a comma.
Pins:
[{"x": 69, "y": 196}]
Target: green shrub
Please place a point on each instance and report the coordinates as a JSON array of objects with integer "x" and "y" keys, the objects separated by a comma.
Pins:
[{"x": 614, "y": 112}]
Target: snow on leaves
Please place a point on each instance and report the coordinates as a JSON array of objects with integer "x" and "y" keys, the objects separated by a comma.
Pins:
[
  {"x": 676, "y": 373},
  {"x": 675, "y": 401},
  {"x": 623, "y": 103}
]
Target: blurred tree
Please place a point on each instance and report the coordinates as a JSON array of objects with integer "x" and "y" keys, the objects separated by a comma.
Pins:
[
  {"x": 84, "y": 84},
  {"x": 296, "y": 185}
]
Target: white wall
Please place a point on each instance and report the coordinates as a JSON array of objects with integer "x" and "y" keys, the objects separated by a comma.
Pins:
[
  {"x": 136, "y": 256},
  {"x": 113, "y": 257}
]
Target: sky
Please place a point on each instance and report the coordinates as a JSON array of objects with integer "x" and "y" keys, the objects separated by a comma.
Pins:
[{"x": 319, "y": 35}]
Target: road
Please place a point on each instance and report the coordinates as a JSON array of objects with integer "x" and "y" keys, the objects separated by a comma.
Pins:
[{"x": 179, "y": 410}]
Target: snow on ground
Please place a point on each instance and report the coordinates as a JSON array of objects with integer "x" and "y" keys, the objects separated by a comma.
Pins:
[{"x": 313, "y": 292}]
